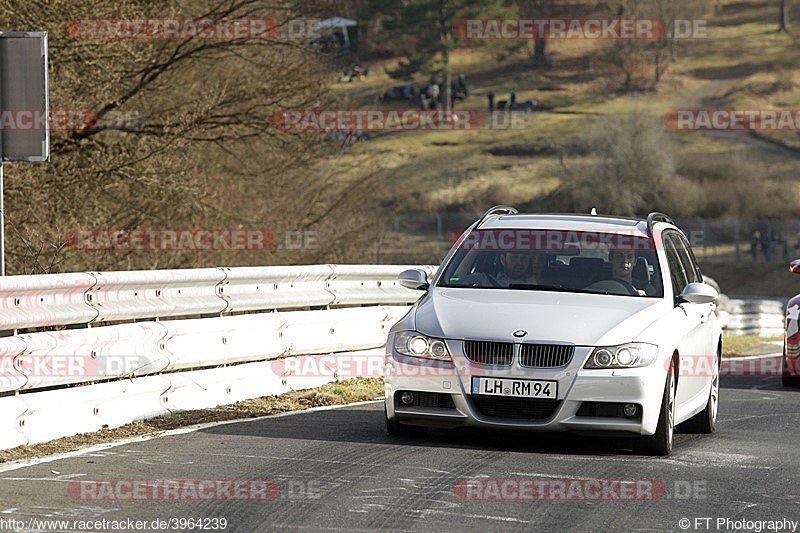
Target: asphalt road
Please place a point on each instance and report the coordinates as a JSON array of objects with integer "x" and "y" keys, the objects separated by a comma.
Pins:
[{"x": 338, "y": 470}]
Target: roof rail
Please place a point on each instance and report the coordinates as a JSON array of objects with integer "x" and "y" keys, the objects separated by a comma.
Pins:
[
  {"x": 498, "y": 209},
  {"x": 654, "y": 217}
]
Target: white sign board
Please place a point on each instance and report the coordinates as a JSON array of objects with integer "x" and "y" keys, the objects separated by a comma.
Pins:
[{"x": 24, "y": 108}]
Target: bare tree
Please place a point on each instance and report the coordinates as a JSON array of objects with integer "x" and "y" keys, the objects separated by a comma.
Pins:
[
  {"x": 783, "y": 16},
  {"x": 641, "y": 64},
  {"x": 196, "y": 146},
  {"x": 538, "y": 9}
]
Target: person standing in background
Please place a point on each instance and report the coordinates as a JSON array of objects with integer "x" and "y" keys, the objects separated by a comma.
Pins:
[{"x": 755, "y": 240}]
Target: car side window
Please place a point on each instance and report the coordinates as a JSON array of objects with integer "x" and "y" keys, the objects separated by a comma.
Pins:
[
  {"x": 689, "y": 267},
  {"x": 676, "y": 269},
  {"x": 698, "y": 276}
]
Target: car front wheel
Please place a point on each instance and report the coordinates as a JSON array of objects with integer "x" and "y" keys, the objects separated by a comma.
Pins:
[
  {"x": 660, "y": 443},
  {"x": 706, "y": 420}
]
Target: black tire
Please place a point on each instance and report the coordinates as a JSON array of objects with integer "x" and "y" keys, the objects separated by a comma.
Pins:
[
  {"x": 396, "y": 429},
  {"x": 660, "y": 443},
  {"x": 790, "y": 381},
  {"x": 787, "y": 379},
  {"x": 705, "y": 421}
]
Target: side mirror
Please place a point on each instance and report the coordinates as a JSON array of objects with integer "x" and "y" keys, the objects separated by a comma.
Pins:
[
  {"x": 794, "y": 266},
  {"x": 699, "y": 293},
  {"x": 414, "y": 278}
]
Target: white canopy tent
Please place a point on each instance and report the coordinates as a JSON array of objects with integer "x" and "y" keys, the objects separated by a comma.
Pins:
[{"x": 337, "y": 23}]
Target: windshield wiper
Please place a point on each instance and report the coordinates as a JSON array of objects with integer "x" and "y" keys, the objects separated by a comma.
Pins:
[{"x": 533, "y": 287}]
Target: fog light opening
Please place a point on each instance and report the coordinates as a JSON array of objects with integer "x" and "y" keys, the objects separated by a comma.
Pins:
[
  {"x": 407, "y": 398},
  {"x": 629, "y": 410}
]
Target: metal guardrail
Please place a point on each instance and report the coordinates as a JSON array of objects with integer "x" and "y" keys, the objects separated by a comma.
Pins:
[
  {"x": 144, "y": 348},
  {"x": 750, "y": 316},
  {"x": 101, "y": 297},
  {"x": 189, "y": 338},
  {"x": 757, "y": 316}
]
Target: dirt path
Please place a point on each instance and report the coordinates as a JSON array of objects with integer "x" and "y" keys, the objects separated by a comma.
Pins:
[{"x": 710, "y": 92}]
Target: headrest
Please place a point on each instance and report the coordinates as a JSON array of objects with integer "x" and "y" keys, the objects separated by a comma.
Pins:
[
  {"x": 586, "y": 263},
  {"x": 641, "y": 270}
]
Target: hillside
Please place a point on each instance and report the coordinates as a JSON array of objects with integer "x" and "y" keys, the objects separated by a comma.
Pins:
[{"x": 743, "y": 63}]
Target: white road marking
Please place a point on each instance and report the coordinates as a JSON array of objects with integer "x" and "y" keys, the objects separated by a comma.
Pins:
[
  {"x": 16, "y": 465},
  {"x": 561, "y": 476},
  {"x": 473, "y": 516},
  {"x": 739, "y": 419},
  {"x": 64, "y": 478},
  {"x": 752, "y": 357}
]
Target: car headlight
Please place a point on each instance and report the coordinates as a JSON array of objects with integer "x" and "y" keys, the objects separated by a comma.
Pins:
[
  {"x": 415, "y": 344},
  {"x": 631, "y": 355}
]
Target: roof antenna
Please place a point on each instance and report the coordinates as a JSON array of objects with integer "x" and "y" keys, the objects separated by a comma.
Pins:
[{"x": 594, "y": 211}]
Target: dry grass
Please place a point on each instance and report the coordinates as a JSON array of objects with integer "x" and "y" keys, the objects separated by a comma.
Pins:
[
  {"x": 752, "y": 278},
  {"x": 744, "y": 345},
  {"x": 339, "y": 393},
  {"x": 441, "y": 171}
]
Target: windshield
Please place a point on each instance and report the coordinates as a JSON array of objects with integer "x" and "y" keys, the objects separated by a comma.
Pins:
[{"x": 564, "y": 261}]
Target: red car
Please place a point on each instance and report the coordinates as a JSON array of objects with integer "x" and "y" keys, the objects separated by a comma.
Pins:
[{"x": 791, "y": 345}]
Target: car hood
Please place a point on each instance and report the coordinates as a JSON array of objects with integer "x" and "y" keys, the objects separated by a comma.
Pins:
[{"x": 494, "y": 314}]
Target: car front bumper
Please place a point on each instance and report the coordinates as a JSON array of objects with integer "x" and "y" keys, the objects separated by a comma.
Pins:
[{"x": 643, "y": 387}]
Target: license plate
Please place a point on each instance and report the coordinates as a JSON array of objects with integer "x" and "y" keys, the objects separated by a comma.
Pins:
[{"x": 521, "y": 388}]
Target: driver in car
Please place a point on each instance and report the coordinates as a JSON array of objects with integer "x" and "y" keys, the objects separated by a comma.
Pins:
[
  {"x": 622, "y": 262},
  {"x": 517, "y": 268},
  {"x": 521, "y": 268}
]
